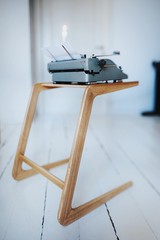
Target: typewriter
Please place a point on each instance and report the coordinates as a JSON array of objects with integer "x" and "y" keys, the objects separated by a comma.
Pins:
[{"x": 85, "y": 70}]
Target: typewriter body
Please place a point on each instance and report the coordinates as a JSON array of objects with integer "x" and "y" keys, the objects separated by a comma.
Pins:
[{"x": 85, "y": 71}]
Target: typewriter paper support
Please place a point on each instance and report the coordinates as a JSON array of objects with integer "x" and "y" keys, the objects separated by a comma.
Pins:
[{"x": 66, "y": 213}]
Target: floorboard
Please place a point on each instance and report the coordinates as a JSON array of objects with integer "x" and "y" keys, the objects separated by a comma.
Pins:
[{"x": 117, "y": 149}]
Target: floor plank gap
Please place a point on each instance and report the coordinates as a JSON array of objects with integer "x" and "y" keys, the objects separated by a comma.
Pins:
[
  {"x": 44, "y": 209},
  {"x": 6, "y": 166},
  {"x": 112, "y": 222}
]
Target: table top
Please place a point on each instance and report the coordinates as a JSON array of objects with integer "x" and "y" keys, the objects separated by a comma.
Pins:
[{"x": 96, "y": 89}]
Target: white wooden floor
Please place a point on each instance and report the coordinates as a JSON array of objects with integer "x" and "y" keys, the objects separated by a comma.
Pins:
[{"x": 117, "y": 149}]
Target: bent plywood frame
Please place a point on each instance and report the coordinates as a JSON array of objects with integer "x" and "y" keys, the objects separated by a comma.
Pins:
[{"x": 66, "y": 213}]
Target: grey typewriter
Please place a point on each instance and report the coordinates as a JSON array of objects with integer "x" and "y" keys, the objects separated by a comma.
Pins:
[{"x": 85, "y": 70}]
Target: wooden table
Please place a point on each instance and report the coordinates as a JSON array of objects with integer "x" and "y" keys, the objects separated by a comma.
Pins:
[{"x": 66, "y": 213}]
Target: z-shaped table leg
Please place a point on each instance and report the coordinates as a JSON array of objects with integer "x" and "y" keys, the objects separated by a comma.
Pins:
[{"x": 67, "y": 214}]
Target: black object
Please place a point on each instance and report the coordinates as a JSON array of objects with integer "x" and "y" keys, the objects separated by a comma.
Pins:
[{"x": 156, "y": 110}]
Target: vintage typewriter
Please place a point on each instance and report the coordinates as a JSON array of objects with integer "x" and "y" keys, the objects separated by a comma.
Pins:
[{"x": 95, "y": 69}]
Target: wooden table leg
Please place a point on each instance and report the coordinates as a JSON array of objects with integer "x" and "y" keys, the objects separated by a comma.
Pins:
[
  {"x": 18, "y": 173},
  {"x": 66, "y": 213}
]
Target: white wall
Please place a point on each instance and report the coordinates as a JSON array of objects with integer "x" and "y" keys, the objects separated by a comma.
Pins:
[
  {"x": 132, "y": 27},
  {"x": 136, "y": 33},
  {"x": 15, "y": 77},
  {"x": 89, "y": 24},
  {"x": 129, "y": 26}
]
